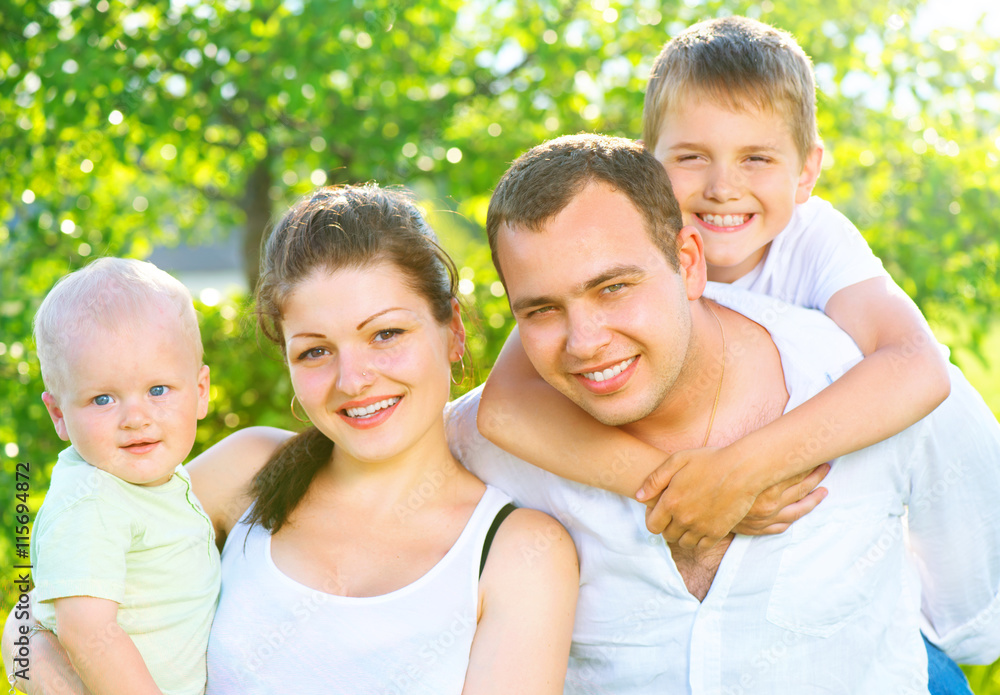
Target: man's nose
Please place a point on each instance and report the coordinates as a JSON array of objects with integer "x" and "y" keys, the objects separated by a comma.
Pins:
[{"x": 586, "y": 333}]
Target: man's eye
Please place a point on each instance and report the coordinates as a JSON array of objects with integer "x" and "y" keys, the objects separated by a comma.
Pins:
[
  {"x": 617, "y": 287},
  {"x": 159, "y": 390},
  {"x": 103, "y": 399},
  {"x": 540, "y": 311}
]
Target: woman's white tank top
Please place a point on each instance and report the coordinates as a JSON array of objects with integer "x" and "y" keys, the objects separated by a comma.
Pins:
[{"x": 272, "y": 634}]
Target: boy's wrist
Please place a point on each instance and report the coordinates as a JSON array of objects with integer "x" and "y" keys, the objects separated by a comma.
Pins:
[{"x": 749, "y": 470}]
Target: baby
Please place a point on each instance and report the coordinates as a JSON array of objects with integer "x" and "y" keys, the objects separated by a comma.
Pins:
[{"x": 126, "y": 567}]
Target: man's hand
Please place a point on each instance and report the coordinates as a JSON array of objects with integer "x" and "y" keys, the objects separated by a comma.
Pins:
[
  {"x": 698, "y": 496},
  {"x": 778, "y": 506}
]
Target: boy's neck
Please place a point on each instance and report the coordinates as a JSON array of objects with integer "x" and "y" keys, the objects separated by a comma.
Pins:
[{"x": 732, "y": 273}]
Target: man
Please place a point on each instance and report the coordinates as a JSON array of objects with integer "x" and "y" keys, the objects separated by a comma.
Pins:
[{"x": 603, "y": 282}]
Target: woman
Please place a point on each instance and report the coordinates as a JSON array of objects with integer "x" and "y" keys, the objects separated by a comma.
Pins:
[{"x": 357, "y": 554}]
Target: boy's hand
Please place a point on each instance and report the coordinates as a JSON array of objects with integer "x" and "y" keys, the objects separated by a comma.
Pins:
[{"x": 698, "y": 496}]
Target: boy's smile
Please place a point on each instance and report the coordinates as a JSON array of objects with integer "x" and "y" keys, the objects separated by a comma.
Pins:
[{"x": 737, "y": 176}]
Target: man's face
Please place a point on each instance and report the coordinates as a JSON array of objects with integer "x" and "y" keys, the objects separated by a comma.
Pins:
[{"x": 603, "y": 316}]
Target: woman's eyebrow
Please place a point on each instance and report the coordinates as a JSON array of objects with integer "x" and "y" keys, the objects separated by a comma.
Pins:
[{"x": 376, "y": 315}]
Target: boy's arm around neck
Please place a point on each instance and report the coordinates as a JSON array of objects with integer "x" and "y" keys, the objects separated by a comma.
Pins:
[{"x": 902, "y": 378}]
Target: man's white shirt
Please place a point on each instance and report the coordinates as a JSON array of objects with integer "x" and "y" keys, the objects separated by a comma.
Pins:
[{"x": 908, "y": 539}]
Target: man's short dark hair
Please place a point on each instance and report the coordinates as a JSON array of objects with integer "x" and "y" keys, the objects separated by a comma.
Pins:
[{"x": 543, "y": 181}]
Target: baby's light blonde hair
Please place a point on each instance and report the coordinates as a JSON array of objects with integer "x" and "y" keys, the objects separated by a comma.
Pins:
[
  {"x": 109, "y": 294},
  {"x": 738, "y": 63}
]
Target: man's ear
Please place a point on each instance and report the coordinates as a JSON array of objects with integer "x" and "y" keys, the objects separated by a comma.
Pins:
[
  {"x": 204, "y": 382},
  {"x": 810, "y": 173},
  {"x": 691, "y": 255},
  {"x": 58, "y": 420}
]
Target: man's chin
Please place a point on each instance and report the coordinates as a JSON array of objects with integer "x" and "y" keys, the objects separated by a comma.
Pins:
[{"x": 612, "y": 417}]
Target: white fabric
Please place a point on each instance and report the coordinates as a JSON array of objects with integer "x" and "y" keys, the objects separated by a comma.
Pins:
[
  {"x": 832, "y": 605},
  {"x": 819, "y": 253},
  {"x": 272, "y": 634}
]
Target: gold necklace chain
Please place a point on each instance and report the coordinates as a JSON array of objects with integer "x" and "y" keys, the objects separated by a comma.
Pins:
[{"x": 718, "y": 391}]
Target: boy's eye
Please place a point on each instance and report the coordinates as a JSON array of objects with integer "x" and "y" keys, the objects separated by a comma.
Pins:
[
  {"x": 159, "y": 390},
  {"x": 103, "y": 399}
]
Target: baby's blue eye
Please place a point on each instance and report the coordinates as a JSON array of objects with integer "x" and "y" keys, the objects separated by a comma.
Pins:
[
  {"x": 103, "y": 399},
  {"x": 158, "y": 390}
]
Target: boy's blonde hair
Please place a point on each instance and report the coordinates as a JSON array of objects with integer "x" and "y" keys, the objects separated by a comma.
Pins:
[
  {"x": 738, "y": 63},
  {"x": 113, "y": 294}
]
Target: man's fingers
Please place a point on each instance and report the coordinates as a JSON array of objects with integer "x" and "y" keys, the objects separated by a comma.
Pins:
[
  {"x": 656, "y": 483},
  {"x": 657, "y": 520},
  {"x": 795, "y": 511}
]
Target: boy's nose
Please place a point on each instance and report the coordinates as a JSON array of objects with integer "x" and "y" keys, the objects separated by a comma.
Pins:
[
  {"x": 136, "y": 415},
  {"x": 723, "y": 184}
]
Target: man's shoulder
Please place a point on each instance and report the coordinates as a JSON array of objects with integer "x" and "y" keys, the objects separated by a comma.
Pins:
[{"x": 814, "y": 350}]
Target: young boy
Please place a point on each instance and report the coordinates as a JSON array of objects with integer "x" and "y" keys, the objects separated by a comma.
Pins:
[
  {"x": 126, "y": 568},
  {"x": 730, "y": 113}
]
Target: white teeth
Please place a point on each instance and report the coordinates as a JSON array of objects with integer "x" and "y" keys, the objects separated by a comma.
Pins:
[
  {"x": 610, "y": 372},
  {"x": 725, "y": 220},
  {"x": 373, "y": 408}
]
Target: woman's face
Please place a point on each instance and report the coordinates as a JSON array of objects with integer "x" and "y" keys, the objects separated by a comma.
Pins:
[{"x": 369, "y": 362}]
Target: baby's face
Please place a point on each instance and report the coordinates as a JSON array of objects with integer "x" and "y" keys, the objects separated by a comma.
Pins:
[
  {"x": 737, "y": 176},
  {"x": 130, "y": 402}
]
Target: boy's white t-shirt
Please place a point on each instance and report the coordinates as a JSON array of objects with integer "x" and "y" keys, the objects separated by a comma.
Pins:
[{"x": 819, "y": 253}]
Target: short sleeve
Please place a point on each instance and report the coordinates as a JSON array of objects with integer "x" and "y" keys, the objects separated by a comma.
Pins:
[
  {"x": 820, "y": 253},
  {"x": 80, "y": 551}
]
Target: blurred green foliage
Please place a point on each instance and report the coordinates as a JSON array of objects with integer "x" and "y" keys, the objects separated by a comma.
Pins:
[{"x": 129, "y": 124}]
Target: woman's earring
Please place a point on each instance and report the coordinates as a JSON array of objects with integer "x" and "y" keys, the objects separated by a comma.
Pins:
[
  {"x": 461, "y": 359},
  {"x": 296, "y": 415}
]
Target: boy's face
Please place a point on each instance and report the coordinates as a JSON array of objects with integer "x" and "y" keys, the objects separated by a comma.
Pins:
[
  {"x": 737, "y": 176},
  {"x": 130, "y": 402}
]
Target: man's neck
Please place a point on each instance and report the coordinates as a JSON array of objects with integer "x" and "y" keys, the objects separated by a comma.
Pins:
[{"x": 752, "y": 389}]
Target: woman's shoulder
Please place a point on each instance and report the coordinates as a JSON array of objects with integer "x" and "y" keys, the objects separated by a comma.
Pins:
[
  {"x": 221, "y": 475},
  {"x": 530, "y": 544}
]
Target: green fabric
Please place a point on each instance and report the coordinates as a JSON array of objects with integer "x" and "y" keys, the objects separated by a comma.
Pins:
[{"x": 150, "y": 549}]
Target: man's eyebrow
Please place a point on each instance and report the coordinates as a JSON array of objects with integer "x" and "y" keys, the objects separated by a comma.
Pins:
[{"x": 616, "y": 272}]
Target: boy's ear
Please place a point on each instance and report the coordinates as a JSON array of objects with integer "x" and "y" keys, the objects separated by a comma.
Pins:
[
  {"x": 56, "y": 414},
  {"x": 204, "y": 383},
  {"x": 810, "y": 173}
]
